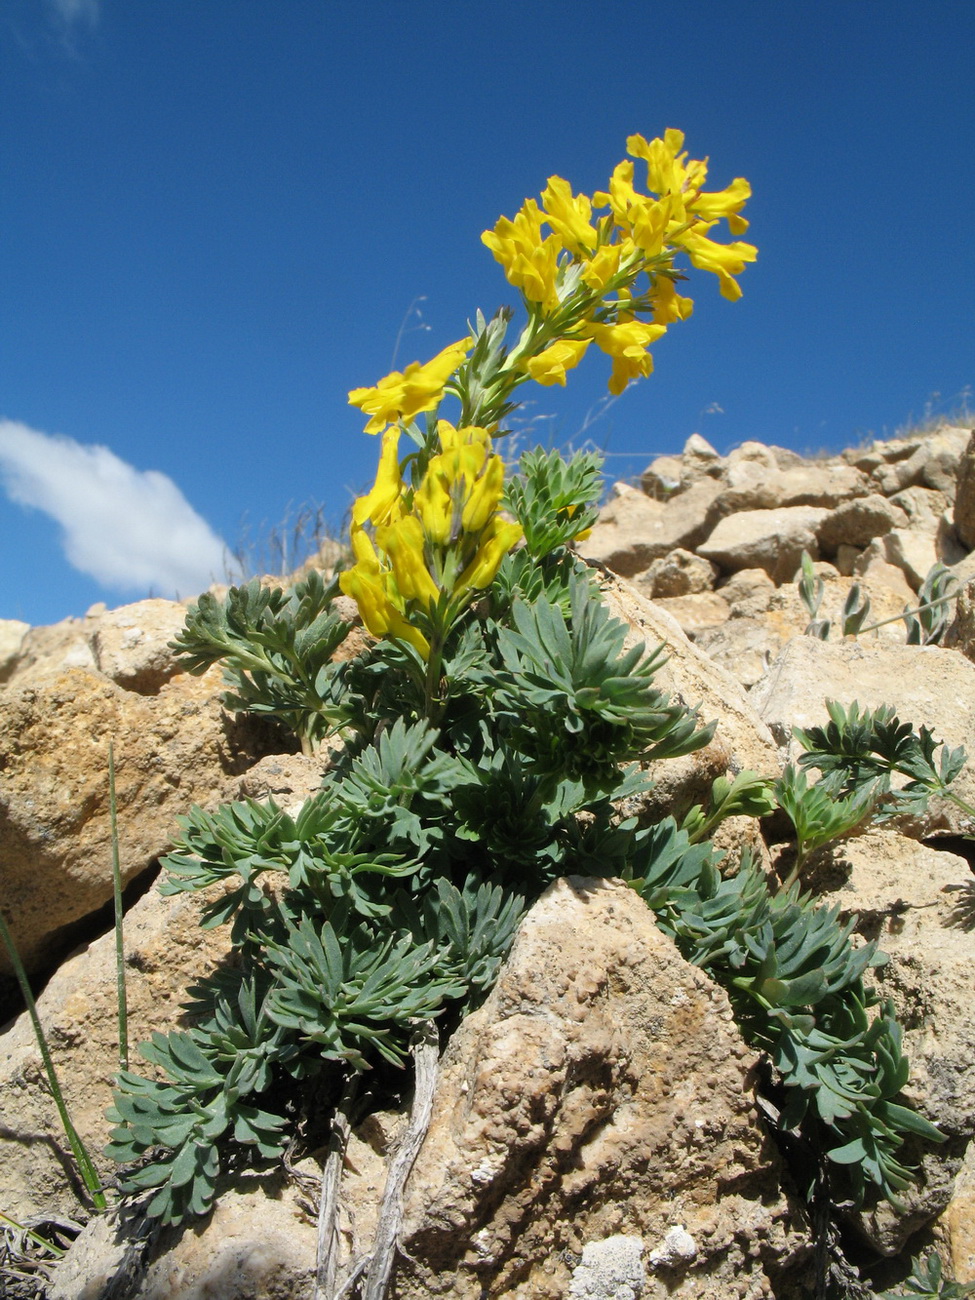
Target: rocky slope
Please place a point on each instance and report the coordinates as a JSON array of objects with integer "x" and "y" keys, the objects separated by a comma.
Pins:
[{"x": 596, "y": 1131}]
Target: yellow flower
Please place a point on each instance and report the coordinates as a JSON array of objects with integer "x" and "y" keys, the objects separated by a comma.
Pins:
[
  {"x": 598, "y": 270},
  {"x": 383, "y": 503},
  {"x": 402, "y": 396},
  {"x": 483, "y": 496},
  {"x": 725, "y": 203},
  {"x": 530, "y": 262},
  {"x": 569, "y": 215},
  {"x": 668, "y": 303},
  {"x": 725, "y": 260},
  {"x": 549, "y": 367},
  {"x": 626, "y": 343},
  {"x": 403, "y": 543},
  {"x": 496, "y": 541}
]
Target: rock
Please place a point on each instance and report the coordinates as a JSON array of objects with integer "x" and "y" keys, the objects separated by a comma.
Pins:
[
  {"x": 690, "y": 676},
  {"x": 258, "y": 1243},
  {"x": 662, "y": 477},
  {"x": 773, "y": 540},
  {"x": 754, "y": 485},
  {"x": 699, "y": 457},
  {"x": 857, "y": 522},
  {"x": 743, "y": 647},
  {"x": 917, "y": 902},
  {"x": 611, "y": 1269},
  {"x": 925, "y": 685},
  {"x": 959, "y": 1219},
  {"x": 602, "y": 1075},
  {"x": 172, "y": 749},
  {"x": 872, "y": 565},
  {"x": 964, "y": 512},
  {"x": 131, "y": 645},
  {"x": 914, "y": 553},
  {"x": 696, "y": 612},
  {"x": 165, "y": 952},
  {"x": 748, "y": 592},
  {"x": 12, "y": 633},
  {"x": 680, "y": 573},
  {"x": 632, "y": 530}
]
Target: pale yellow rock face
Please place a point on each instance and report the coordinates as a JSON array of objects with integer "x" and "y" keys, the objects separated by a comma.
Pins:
[
  {"x": 166, "y": 951},
  {"x": 602, "y": 1089},
  {"x": 172, "y": 749}
]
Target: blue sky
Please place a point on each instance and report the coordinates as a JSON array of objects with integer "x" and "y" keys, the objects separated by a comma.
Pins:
[{"x": 218, "y": 217}]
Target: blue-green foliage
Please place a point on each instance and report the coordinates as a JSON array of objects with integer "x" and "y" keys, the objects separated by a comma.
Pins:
[{"x": 392, "y": 897}]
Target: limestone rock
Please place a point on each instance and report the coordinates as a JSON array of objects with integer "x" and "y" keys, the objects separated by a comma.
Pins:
[
  {"x": 959, "y": 1219},
  {"x": 165, "y": 952},
  {"x": 857, "y": 522},
  {"x": 691, "y": 677},
  {"x": 748, "y": 592},
  {"x": 632, "y": 530},
  {"x": 697, "y": 612},
  {"x": 172, "y": 749},
  {"x": 602, "y": 1090},
  {"x": 772, "y": 540},
  {"x": 925, "y": 685},
  {"x": 131, "y": 645},
  {"x": 918, "y": 903},
  {"x": 679, "y": 573},
  {"x": 12, "y": 633},
  {"x": 258, "y": 1243},
  {"x": 964, "y": 513}
]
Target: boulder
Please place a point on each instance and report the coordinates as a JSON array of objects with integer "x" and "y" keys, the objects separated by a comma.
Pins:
[
  {"x": 689, "y": 675},
  {"x": 697, "y": 611},
  {"x": 165, "y": 951},
  {"x": 858, "y": 522},
  {"x": 601, "y": 1091},
  {"x": 632, "y": 530},
  {"x": 679, "y": 573},
  {"x": 173, "y": 748},
  {"x": 959, "y": 1221},
  {"x": 918, "y": 903},
  {"x": 773, "y": 540}
]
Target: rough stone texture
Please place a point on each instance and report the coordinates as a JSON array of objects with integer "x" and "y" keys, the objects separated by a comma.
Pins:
[
  {"x": 680, "y": 573},
  {"x": 925, "y": 685},
  {"x": 695, "y": 613},
  {"x": 754, "y": 485},
  {"x": 961, "y": 633},
  {"x": 959, "y": 1220},
  {"x": 964, "y": 512},
  {"x": 919, "y": 904},
  {"x": 12, "y": 633},
  {"x": 772, "y": 540},
  {"x": 172, "y": 749},
  {"x": 633, "y": 530},
  {"x": 602, "y": 1089},
  {"x": 691, "y": 677},
  {"x": 748, "y": 592},
  {"x": 742, "y": 647},
  {"x": 611, "y": 1269},
  {"x": 130, "y": 645},
  {"x": 858, "y": 522},
  {"x": 165, "y": 951},
  {"x": 914, "y": 553},
  {"x": 258, "y": 1244}
]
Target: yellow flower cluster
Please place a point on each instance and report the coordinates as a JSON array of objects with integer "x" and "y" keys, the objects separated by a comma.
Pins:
[
  {"x": 579, "y": 275},
  {"x": 433, "y": 547},
  {"x": 403, "y": 396}
]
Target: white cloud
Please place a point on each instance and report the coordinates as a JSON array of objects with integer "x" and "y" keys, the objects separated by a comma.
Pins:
[
  {"x": 130, "y": 529},
  {"x": 73, "y": 11}
]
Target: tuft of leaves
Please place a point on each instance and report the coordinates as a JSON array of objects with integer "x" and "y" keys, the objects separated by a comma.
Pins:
[{"x": 276, "y": 649}]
